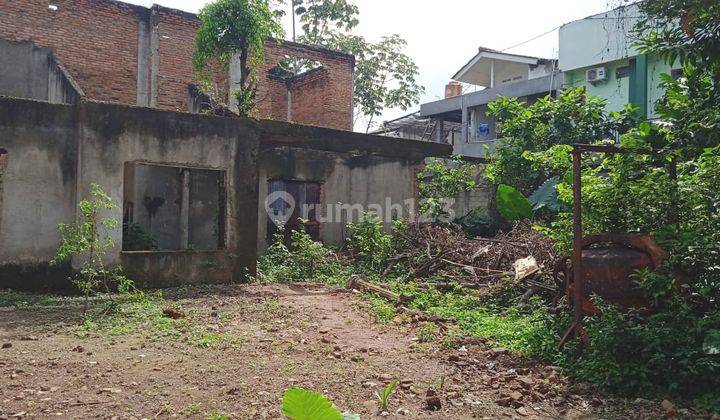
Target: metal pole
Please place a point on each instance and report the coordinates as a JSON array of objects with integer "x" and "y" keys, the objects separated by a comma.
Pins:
[
  {"x": 292, "y": 15},
  {"x": 577, "y": 243}
]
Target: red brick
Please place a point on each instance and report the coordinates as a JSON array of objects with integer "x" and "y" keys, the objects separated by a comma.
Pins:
[{"x": 97, "y": 42}]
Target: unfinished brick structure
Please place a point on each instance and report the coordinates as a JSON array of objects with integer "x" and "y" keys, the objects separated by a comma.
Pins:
[{"x": 122, "y": 53}]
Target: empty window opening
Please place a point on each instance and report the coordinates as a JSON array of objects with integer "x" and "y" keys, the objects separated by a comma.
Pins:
[
  {"x": 293, "y": 201},
  {"x": 173, "y": 208},
  {"x": 623, "y": 71},
  {"x": 292, "y": 67}
]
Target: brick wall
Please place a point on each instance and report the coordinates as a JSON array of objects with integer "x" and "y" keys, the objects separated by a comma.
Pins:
[
  {"x": 323, "y": 99},
  {"x": 97, "y": 41}
]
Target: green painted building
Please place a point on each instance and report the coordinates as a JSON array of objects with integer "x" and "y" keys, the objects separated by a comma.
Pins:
[{"x": 598, "y": 52}]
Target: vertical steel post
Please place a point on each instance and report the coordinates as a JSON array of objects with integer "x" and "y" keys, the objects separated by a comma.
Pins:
[{"x": 578, "y": 284}]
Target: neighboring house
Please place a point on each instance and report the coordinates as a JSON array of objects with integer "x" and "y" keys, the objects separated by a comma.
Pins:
[
  {"x": 598, "y": 52},
  {"x": 132, "y": 55},
  {"x": 498, "y": 74}
]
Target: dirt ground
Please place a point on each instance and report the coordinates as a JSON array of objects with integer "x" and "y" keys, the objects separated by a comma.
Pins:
[{"x": 310, "y": 336}]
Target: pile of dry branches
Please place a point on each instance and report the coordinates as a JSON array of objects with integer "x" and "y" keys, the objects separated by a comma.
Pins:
[{"x": 444, "y": 254}]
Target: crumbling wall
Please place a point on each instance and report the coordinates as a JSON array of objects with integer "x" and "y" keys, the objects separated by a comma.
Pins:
[
  {"x": 55, "y": 152},
  {"x": 122, "y": 53},
  {"x": 114, "y": 135},
  {"x": 96, "y": 40},
  {"x": 37, "y": 189},
  {"x": 324, "y": 98},
  {"x": 27, "y": 71},
  {"x": 350, "y": 184}
]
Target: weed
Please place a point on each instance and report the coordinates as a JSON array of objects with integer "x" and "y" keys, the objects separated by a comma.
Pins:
[
  {"x": 88, "y": 240},
  {"x": 452, "y": 337},
  {"x": 385, "y": 393},
  {"x": 216, "y": 415},
  {"x": 23, "y": 300},
  {"x": 427, "y": 332},
  {"x": 379, "y": 308},
  {"x": 193, "y": 408}
]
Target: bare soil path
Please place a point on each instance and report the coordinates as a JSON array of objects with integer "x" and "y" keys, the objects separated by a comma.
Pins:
[{"x": 256, "y": 341}]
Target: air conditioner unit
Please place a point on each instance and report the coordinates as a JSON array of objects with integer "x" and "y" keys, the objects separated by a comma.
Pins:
[{"x": 597, "y": 74}]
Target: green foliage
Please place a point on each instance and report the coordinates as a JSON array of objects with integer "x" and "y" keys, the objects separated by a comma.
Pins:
[
  {"x": 368, "y": 242},
  {"x": 711, "y": 345},
  {"x": 440, "y": 181},
  {"x": 546, "y": 196},
  {"x": 658, "y": 354},
  {"x": 319, "y": 18},
  {"x": 216, "y": 415},
  {"x": 511, "y": 204},
  {"x": 385, "y": 77},
  {"x": 427, "y": 332},
  {"x": 303, "y": 260},
  {"x": 87, "y": 242},
  {"x": 385, "y": 393},
  {"x": 572, "y": 117},
  {"x": 137, "y": 238},
  {"x": 230, "y": 27},
  {"x": 301, "y": 404},
  {"x": 692, "y": 107},
  {"x": 694, "y": 41}
]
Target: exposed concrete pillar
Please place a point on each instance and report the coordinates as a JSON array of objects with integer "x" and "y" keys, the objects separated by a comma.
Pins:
[
  {"x": 288, "y": 86},
  {"x": 234, "y": 81},
  {"x": 154, "y": 56},
  {"x": 185, "y": 210},
  {"x": 143, "y": 52},
  {"x": 439, "y": 129},
  {"x": 465, "y": 120}
]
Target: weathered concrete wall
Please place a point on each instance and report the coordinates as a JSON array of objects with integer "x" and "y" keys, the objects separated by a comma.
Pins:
[
  {"x": 356, "y": 171},
  {"x": 349, "y": 184},
  {"x": 27, "y": 71},
  {"x": 55, "y": 152},
  {"x": 113, "y": 135},
  {"x": 52, "y": 154},
  {"x": 37, "y": 188}
]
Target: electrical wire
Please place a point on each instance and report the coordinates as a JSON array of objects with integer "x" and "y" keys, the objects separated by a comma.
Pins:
[{"x": 532, "y": 39}]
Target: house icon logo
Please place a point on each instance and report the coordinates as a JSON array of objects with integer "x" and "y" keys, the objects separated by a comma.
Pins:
[{"x": 279, "y": 206}]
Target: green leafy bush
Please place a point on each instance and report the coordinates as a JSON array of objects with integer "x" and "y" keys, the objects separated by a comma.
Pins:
[
  {"x": 301, "y": 404},
  {"x": 368, "y": 242},
  {"x": 303, "y": 260},
  {"x": 440, "y": 180},
  {"x": 572, "y": 117},
  {"x": 87, "y": 242},
  {"x": 511, "y": 204}
]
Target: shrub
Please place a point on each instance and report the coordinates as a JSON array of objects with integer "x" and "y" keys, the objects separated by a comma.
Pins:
[
  {"x": 368, "y": 242},
  {"x": 303, "y": 260},
  {"x": 440, "y": 181},
  {"x": 87, "y": 241}
]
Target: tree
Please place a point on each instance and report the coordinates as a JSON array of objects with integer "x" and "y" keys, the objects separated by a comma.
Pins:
[
  {"x": 87, "y": 242},
  {"x": 385, "y": 77},
  {"x": 695, "y": 41},
  {"x": 536, "y": 137},
  {"x": 229, "y": 27},
  {"x": 687, "y": 31}
]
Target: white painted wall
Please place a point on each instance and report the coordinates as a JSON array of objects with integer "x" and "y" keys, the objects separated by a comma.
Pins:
[{"x": 599, "y": 38}]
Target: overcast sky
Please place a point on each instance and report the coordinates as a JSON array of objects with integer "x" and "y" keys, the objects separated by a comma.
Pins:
[{"x": 443, "y": 35}]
